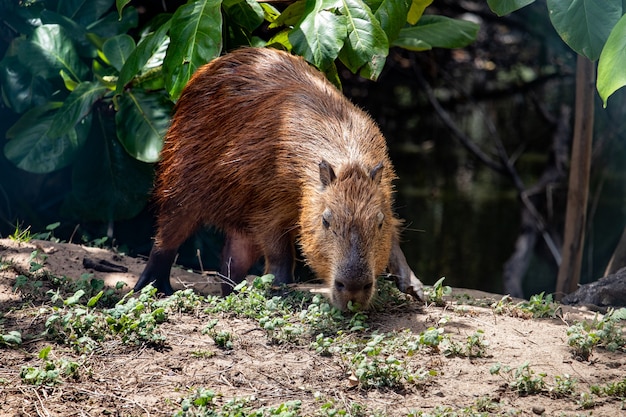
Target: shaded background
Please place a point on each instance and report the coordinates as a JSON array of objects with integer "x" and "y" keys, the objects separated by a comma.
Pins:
[{"x": 462, "y": 218}]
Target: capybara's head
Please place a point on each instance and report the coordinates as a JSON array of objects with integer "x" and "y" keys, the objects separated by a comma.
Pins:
[{"x": 347, "y": 230}]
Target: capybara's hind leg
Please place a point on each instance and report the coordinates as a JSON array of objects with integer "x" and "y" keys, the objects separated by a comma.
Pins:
[
  {"x": 399, "y": 269},
  {"x": 157, "y": 271},
  {"x": 173, "y": 228},
  {"x": 280, "y": 258},
  {"x": 239, "y": 254}
]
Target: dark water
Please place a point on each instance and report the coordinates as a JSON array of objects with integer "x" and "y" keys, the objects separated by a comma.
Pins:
[{"x": 463, "y": 219}]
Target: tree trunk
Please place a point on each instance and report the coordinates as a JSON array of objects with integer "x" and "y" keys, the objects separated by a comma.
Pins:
[{"x": 578, "y": 190}]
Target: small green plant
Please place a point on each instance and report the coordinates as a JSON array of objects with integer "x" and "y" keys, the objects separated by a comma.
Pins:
[
  {"x": 437, "y": 293},
  {"x": 202, "y": 403},
  {"x": 25, "y": 235},
  {"x": 586, "y": 401},
  {"x": 564, "y": 386},
  {"x": 12, "y": 338},
  {"x": 538, "y": 306},
  {"x": 136, "y": 319},
  {"x": 223, "y": 339},
  {"x": 522, "y": 379},
  {"x": 51, "y": 372},
  {"x": 432, "y": 338},
  {"x": 78, "y": 326},
  {"x": 611, "y": 389},
  {"x": 30, "y": 283},
  {"x": 380, "y": 363},
  {"x": 474, "y": 347},
  {"x": 21, "y": 235},
  {"x": 606, "y": 332}
]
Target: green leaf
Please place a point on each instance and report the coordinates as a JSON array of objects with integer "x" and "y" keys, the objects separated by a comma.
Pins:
[
  {"x": 74, "y": 299},
  {"x": 417, "y": 10},
  {"x": 12, "y": 338},
  {"x": 94, "y": 300},
  {"x": 504, "y": 7},
  {"x": 142, "y": 121},
  {"x": 30, "y": 147},
  {"x": 48, "y": 51},
  {"x": 20, "y": 88},
  {"x": 140, "y": 56},
  {"x": 320, "y": 35},
  {"x": 245, "y": 13},
  {"x": 68, "y": 81},
  {"x": 72, "y": 29},
  {"x": 118, "y": 49},
  {"x": 84, "y": 12},
  {"x": 584, "y": 25},
  {"x": 111, "y": 25},
  {"x": 437, "y": 32},
  {"x": 392, "y": 15},
  {"x": 611, "y": 73},
  {"x": 120, "y": 4},
  {"x": 291, "y": 15},
  {"x": 43, "y": 353},
  {"x": 366, "y": 46},
  {"x": 107, "y": 183},
  {"x": 76, "y": 106},
  {"x": 196, "y": 38}
]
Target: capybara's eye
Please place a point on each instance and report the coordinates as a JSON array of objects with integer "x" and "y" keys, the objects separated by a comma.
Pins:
[{"x": 326, "y": 218}]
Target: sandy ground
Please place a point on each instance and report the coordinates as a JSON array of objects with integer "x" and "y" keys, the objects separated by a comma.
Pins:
[{"x": 123, "y": 380}]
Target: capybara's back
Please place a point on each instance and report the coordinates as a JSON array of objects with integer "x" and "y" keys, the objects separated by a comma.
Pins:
[{"x": 264, "y": 148}]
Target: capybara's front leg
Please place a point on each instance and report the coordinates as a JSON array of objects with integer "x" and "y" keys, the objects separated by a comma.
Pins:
[
  {"x": 238, "y": 255},
  {"x": 157, "y": 271},
  {"x": 405, "y": 279}
]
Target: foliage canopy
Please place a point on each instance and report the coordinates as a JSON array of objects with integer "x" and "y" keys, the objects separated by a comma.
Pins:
[{"x": 95, "y": 91}]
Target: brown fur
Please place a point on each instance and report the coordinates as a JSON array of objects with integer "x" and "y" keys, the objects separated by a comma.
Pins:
[{"x": 264, "y": 148}]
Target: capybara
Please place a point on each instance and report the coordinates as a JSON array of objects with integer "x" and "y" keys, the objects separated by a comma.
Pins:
[{"x": 265, "y": 149}]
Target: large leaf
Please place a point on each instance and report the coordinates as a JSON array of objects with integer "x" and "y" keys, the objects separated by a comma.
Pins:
[
  {"x": 119, "y": 5},
  {"x": 76, "y": 107},
  {"x": 110, "y": 24},
  {"x": 32, "y": 149},
  {"x": 142, "y": 121},
  {"x": 118, "y": 49},
  {"x": 48, "y": 51},
  {"x": 504, "y": 7},
  {"x": 437, "y": 32},
  {"x": 246, "y": 13},
  {"x": 585, "y": 25},
  {"x": 84, "y": 12},
  {"x": 292, "y": 14},
  {"x": 196, "y": 38},
  {"x": 107, "y": 183},
  {"x": 320, "y": 35},
  {"x": 417, "y": 10},
  {"x": 366, "y": 46},
  {"x": 140, "y": 56},
  {"x": 392, "y": 15},
  {"x": 20, "y": 89},
  {"x": 612, "y": 63}
]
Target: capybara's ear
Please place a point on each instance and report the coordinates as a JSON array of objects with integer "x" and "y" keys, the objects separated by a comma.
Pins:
[
  {"x": 327, "y": 175},
  {"x": 377, "y": 173}
]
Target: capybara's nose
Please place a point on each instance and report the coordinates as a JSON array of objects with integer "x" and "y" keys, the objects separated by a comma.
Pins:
[{"x": 352, "y": 286}]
